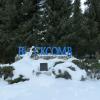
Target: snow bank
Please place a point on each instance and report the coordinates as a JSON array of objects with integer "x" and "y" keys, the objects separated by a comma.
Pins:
[
  {"x": 76, "y": 74},
  {"x": 26, "y": 66},
  {"x": 48, "y": 88}
]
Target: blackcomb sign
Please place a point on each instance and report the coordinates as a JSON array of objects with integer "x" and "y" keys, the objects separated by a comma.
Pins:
[{"x": 61, "y": 51}]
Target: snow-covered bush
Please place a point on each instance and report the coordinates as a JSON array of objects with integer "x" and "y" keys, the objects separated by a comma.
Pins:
[
  {"x": 87, "y": 64},
  {"x": 94, "y": 74},
  {"x": 92, "y": 67},
  {"x": 17, "y": 57},
  {"x": 69, "y": 70},
  {"x": 79, "y": 63},
  {"x": 6, "y": 72},
  {"x": 58, "y": 62},
  {"x": 61, "y": 74},
  {"x": 17, "y": 80}
]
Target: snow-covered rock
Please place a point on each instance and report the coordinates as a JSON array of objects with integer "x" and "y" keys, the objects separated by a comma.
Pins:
[{"x": 75, "y": 72}]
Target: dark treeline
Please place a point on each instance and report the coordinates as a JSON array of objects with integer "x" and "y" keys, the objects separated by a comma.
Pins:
[{"x": 49, "y": 22}]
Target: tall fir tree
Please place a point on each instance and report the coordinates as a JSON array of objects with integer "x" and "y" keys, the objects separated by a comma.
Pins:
[
  {"x": 40, "y": 24},
  {"x": 16, "y": 19},
  {"x": 59, "y": 15},
  {"x": 76, "y": 27},
  {"x": 90, "y": 27}
]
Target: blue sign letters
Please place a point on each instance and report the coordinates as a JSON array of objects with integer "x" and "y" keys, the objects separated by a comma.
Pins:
[
  {"x": 21, "y": 50},
  {"x": 48, "y": 50}
]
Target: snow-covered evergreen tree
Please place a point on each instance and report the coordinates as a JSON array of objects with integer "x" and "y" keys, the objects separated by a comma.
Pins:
[{"x": 41, "y": 22}]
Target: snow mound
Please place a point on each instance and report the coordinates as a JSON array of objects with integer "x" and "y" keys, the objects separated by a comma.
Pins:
[
  {"x": 26, "y": 65},
  {"x": 75, "y": 72}
]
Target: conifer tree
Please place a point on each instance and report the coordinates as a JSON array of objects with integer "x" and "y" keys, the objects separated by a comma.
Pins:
[
  {"x": 76, "y": 26},
  {"x": 90, "y": 27},
  {"x": 60, "y": 12},
  {"x": 40, "y": 23}
]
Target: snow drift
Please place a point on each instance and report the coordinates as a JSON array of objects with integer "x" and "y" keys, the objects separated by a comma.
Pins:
[{"x": 26, "y": 65}]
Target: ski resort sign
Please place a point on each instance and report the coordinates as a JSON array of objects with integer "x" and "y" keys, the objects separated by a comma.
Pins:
[{"x": 61, "y": 51}]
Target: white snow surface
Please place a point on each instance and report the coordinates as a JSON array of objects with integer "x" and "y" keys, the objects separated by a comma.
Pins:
[
  {"x": 49, "y": 88},
  {"x": 45, "y": 87},
  {"x": 2, "y": 65},
  {"x": 76, "y": 75},
  {"x": 26, "y": 66}
]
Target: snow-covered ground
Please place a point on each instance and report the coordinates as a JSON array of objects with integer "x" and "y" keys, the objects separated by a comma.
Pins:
[
  {"x": 46, "y": 87},
  {"x": 49, "y": 88}
]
